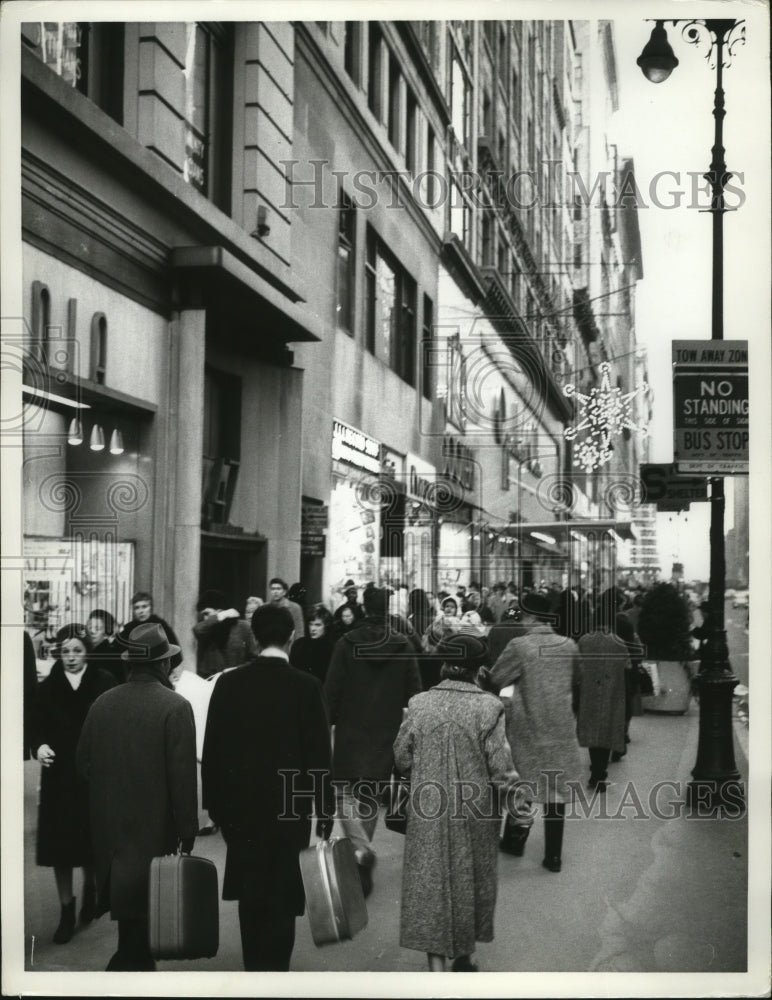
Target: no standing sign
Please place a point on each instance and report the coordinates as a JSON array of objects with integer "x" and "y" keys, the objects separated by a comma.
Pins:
[{"x": 710, "y": 406}]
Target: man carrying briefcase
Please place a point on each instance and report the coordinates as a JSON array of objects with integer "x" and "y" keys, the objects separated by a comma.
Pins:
[
  {"x": 265, "y": 770},
  {"x": 137, "y": 750}
]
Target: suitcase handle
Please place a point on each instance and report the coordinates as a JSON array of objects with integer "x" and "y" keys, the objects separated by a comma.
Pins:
[{"x": 330, "y": 884}]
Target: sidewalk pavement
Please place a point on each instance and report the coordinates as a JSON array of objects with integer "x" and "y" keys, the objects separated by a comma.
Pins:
[{"x": 638, "y": 892}]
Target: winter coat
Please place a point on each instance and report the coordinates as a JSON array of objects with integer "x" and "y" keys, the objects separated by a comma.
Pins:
[
  {"x": 453, "y": 745},
  {"x": 222, "y": 645},
  {"x": 373, "y": 675},
  {"x": 123, "y": 636},
  {"x": 313, "y": 655},
  {"x": 60, "y": 711},
  {"x": 138, "y": 753},
  {"x": 264, "y": 719},
  {"x": 30, "y": 678},
  {"x": 601, "y": 718},
  {"x": 540, "y": 724},
  {"x": 107, "y": 655}
]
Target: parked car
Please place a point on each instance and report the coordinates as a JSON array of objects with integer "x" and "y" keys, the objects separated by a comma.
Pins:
[{"x": 741, "y": 599}]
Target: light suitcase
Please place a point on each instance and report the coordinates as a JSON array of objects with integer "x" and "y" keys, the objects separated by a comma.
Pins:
[
  {"x": 183, "y": 908},
  {"x": 334, "y": 898}
]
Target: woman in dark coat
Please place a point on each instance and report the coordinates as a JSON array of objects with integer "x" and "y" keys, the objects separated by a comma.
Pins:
[
  {"x": 106, "y": 652},
  {"x": 62, "y": 704},
  {"x": 313, "y": 652},
  {"x": 224, "y": 639}
]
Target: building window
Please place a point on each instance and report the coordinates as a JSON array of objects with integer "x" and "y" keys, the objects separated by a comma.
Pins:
[
  {"x": 98, "y": 368},
  {"x": 375, "y": 57},
  {"x": 502, "y": 54},
  {"x": 429, "y": 39},
  {"x": 431, "y": 180},
  {"x": 487, "y": 238},
  {"x": 459, "y": 101},
  {"x": 351, "y": 50},
  {"x": 391, "y": 305},
  {"x": 208, "y": 105},
  {"x": 395, "y": 105},
  {"x": 88, "y": 57},
  {"x": 411, "y": 134},
  {"x": 221, "y": 445},
  {"x": 427, "y": 333},
  {"x": 345, "y": 276}
]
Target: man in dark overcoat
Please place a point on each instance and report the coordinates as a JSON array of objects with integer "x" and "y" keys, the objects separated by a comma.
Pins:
[
  {"x": 265, "y": 770},
  {"x": 373, "y": 674},
  {"x": 137, "y": 751}
]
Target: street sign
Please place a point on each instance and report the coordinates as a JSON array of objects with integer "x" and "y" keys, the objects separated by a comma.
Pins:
[
  {"x": 662, "y": 485},
  {"x": 710, "y": 406}
]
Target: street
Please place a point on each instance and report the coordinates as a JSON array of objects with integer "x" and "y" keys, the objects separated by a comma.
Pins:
[{"x": 567, "y": 922}]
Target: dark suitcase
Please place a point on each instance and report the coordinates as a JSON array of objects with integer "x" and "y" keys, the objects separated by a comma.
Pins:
[
  {"x": 184, "y": 908},
  {"x": 334, "y": 898}
]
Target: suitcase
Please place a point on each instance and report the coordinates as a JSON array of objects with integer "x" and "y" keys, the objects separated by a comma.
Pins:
[
  {"x": 183, "y": 907},
  {"x": 334, "y": 898}
]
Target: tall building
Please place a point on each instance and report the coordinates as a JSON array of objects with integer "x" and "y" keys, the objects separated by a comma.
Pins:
[{"x": 302, "y": 299}]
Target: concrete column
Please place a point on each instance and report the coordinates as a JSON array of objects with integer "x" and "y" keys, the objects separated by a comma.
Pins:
[{"x": 186, "y": 418}]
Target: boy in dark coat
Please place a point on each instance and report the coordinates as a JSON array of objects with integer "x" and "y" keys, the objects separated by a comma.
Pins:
[
  {"x": 266, "y": 738},
  {"x": 137, "y": 751},
  {"x": 142, "y": 612},
  {"x": 373, "y": 675}
]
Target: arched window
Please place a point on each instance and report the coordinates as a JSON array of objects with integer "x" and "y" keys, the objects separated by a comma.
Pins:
[
  {"x": 98, "y": 348},
  {"x": 41, "y": 319}
]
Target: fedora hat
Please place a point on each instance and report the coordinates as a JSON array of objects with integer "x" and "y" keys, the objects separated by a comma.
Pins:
[{"x": 148, "y": 643}]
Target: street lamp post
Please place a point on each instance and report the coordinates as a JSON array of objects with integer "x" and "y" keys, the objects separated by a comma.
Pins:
[{"x": 715, "y": 771}]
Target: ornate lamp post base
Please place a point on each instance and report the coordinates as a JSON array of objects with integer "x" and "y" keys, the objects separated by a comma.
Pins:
[{"x": 715, "y": 781}]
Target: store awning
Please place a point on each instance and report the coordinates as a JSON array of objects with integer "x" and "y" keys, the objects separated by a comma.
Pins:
[{"x": 555, "y": 532}]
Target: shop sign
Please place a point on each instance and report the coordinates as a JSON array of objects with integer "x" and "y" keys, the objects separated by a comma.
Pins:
[
  {"x": 352, "y": 446},
  {"x": 663, "y": 486},
  {"x": 314, "y": 520},
  {"x": 421, "y": 479},
  {"x": 710, "y": 406},
  {"x": 458, "y": 462}
]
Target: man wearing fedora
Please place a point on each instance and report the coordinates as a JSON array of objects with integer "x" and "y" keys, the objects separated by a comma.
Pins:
[
  {"x": 356, "y": 609},
  {"x": 137, "y": 751}
]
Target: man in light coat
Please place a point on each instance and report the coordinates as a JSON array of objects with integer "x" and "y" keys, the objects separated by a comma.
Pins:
[
  {"x": 541, "y": 729},
  {"x": 137, "y": 750}
]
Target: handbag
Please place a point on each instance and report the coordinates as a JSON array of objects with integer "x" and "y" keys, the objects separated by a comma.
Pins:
[{"x": 397, "y": 796}]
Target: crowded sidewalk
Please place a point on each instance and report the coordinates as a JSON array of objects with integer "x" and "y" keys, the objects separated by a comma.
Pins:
[{"x": 637, "y": 892}]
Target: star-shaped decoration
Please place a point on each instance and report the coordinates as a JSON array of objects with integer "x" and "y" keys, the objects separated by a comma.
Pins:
[{"x": 605, "y": 412}]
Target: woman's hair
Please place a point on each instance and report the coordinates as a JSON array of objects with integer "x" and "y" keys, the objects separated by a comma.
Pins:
[
  {"x": 73, "y": 631},
  {"x": 106, "y": 618},
  {"x": 455, "y": 672},
  {"x": 321, "y": 613}
]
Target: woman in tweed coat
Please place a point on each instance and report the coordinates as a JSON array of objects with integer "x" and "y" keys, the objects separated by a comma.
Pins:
[{"x": 453, "y": 746}]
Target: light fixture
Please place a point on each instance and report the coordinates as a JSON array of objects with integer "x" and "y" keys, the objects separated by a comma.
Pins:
[
  {"x": 657, "y": 61},
  {"x": 97, "y": 442},
  {"x": 75, "y": 432},
  {"x": 116, "y": 442},
  {"x": 544, "y": 538}
]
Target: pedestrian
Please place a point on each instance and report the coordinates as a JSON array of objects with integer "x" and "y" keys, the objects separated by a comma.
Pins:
[
  {"x": 105, "y": 652},
  {"x": 372, "y": 676},
  {"x": 504, "y": 632},
  {"x": 30, "y": 691},
  {"x": 224, "y": 640},
  {"x": 615, "y": 609},
  {"x": 420, "y": 618},
  {"x": 142, "y": 612},
  {"x": 474, "y": 604},
  {"x": 497, "y": 601},
  {"x": 265, "y": 770},
  {"x": 277, "y": 595},
  {"x": 351, "y": 603},
  {"x": 250, "y": 606},
  {"x": 313, "y": 652},
  {"x": 138, "y": 753},
  {"x": 346, "y": 623},
  {"x": 540, "y": 724},
  {"x": 601, "y": 711},
  {"x": 453, "y": 746},
  {"x": 63, "y": 839}
]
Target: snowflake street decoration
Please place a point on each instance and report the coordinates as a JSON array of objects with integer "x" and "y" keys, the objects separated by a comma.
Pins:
[{"x": 605, "y": 412}]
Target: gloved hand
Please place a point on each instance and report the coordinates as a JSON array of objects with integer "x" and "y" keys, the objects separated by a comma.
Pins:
[
  {"x": 186, "y": 845},
  {"x": 324, "y": 828}
]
